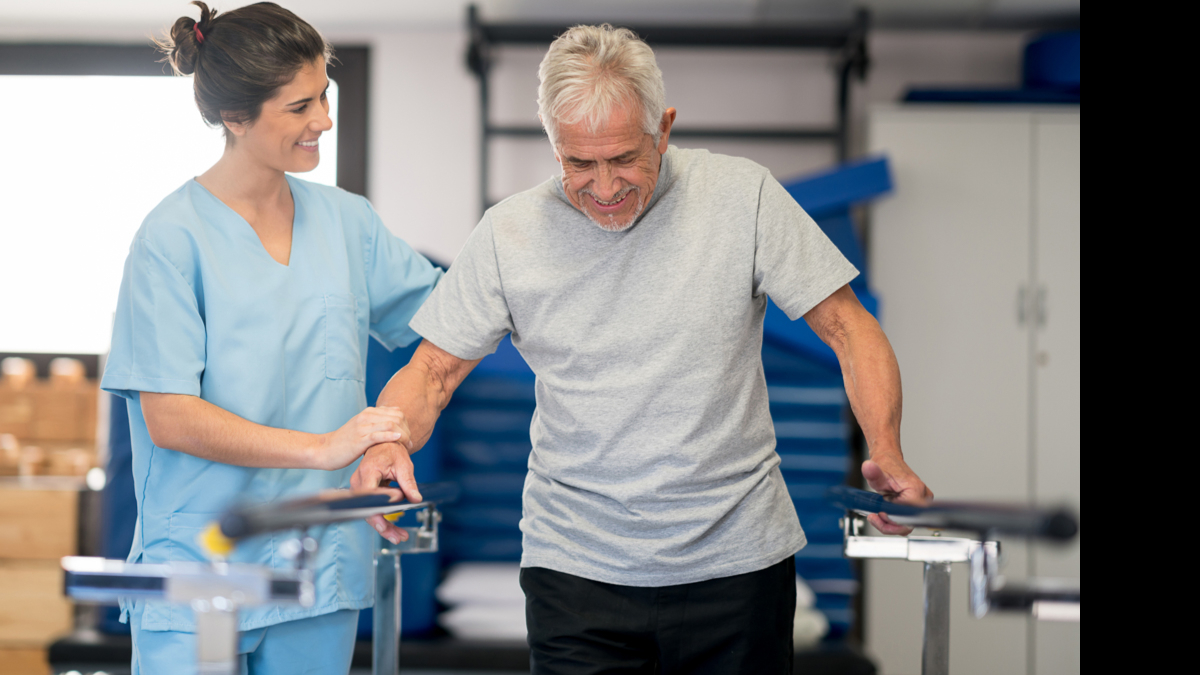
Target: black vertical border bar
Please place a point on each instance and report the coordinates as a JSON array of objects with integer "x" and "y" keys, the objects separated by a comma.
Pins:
[{"x": 352, "y": 72}]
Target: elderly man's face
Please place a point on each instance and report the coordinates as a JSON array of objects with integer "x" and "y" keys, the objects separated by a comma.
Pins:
[{"x": 610, "y": 174}]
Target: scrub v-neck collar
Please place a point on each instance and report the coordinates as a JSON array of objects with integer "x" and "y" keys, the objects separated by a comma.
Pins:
[{"x": 250, "y": 229}]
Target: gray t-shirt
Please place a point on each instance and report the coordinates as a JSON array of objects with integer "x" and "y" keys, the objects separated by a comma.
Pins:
[{"x": 653, "y": 458}]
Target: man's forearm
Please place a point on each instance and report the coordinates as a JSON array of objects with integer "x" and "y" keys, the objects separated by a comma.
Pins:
[
  {"x": 869, "y": 367},
  {"x": 415, "y": 390},
  {"x": 873, "y": 385},
  {"x": 872, "y": 379},
  {"x": 423, "y": 388}
]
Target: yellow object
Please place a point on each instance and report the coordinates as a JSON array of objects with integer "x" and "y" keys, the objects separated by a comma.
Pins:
[
  {"x": 215, "y": 543},
  {"x": 393, "y": 517}
]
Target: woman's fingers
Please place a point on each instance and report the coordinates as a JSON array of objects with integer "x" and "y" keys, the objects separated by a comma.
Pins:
[
  {"x": 377, "y": 437},
  {"x": 383, "y": 413},
  {"x": 382, "y": 425}
]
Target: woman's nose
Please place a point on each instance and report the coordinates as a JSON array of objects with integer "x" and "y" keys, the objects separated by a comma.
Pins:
[{"x": 323, "y": 122}]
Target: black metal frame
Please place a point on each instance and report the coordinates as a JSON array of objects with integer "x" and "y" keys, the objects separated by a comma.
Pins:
[
  {"x": 350, "y": 70},
  {"x": 848, "y": 40}
]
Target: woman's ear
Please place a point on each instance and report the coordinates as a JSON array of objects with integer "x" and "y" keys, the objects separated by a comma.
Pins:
[{"x": 235, "y": 128}]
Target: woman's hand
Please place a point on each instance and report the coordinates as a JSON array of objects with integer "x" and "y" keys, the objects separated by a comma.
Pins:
[{"x": 372, "y": 426}]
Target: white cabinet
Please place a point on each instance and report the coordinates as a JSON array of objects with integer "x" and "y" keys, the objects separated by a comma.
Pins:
[{"x": 975, "y": 259}]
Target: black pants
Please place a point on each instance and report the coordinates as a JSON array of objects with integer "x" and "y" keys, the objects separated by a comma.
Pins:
[{"x": 738, "y": 624}]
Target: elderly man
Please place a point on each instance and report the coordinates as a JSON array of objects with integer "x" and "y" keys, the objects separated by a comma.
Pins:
[{"x": 658, "y": 532}]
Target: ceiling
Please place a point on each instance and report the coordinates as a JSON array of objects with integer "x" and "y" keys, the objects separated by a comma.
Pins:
[{"x": 80, "y": 16}]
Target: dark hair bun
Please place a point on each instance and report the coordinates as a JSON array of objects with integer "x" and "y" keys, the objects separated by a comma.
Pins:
[
  {"x": 240, "y": 59},
  {"x": 182, "y": 47}
]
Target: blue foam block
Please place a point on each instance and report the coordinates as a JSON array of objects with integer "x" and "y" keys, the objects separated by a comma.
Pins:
[
  {"x": 841, "y": 187},
  {"x": 1052, "y": 62}
]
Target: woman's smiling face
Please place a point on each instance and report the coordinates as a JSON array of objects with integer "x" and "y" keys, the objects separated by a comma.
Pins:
[{"x": 285, "y": 135}]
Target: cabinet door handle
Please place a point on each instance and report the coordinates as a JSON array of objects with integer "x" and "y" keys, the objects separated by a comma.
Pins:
[
  {"x": 1040, "y": 308},
  {"x": 1022, "y": 305}
]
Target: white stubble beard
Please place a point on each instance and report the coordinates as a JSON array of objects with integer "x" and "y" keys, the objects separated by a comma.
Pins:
[{"x": 610, "y": 224}]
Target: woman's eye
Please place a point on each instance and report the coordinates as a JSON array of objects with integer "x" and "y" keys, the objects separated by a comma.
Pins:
[{"x": 301, "y": 108}]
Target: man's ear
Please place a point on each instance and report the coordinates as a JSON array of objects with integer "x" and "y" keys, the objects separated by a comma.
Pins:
[{"x": 668, "y": 120}]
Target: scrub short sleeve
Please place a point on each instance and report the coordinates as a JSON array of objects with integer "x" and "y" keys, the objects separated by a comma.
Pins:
[
  {"x": 795, "y": 263},
  {"x": 398, "y": 281},
  {"x": 158, "y": 341},
  {"x": 467, "y": 314}
]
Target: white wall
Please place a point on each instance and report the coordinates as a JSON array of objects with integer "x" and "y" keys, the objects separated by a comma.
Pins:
[{"x": 424, "y": 139}]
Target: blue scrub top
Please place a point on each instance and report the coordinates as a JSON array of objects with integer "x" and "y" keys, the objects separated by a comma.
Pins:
[{"x": 204, "y": 310}]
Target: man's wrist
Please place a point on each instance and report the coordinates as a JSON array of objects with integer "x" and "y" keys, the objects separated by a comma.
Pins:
[
  {"x": 389, "y": 446},
  {"x": 885, "y": 452}
]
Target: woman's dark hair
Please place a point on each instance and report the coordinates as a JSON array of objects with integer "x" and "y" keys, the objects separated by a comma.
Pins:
[{"x": 241, "y": 58}]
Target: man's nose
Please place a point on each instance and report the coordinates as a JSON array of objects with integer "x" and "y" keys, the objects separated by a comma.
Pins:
[{"x": 607, "y": 186}]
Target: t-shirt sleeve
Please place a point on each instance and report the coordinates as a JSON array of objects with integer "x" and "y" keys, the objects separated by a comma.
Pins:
[
  {"x": 158, "y": 341},
  {"x": 795, "y": 263},
  {"x": 467, "y": 314},
  {"x": 398, "y": 280}
]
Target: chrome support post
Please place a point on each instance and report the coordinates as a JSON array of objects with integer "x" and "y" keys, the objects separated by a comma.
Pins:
[
  {"x": 216, "y": 637},
  {"x": 385, "y": 644},
  {"x": 385, "y": 647},
  {"x": 935, "y": 653},
  {"x": 985, "y": 567}
]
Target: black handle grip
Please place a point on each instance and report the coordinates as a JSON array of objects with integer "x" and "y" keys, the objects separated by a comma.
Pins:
[
  {"x": 245, "y": 521},
  {"x": 1057, "y": 524}
]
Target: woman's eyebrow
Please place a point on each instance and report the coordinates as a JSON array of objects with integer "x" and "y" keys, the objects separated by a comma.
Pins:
[{"x": 306, "y": 100}]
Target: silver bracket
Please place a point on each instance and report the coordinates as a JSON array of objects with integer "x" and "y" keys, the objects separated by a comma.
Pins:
[
  {"x": 988, "y": 592},
  {"x": 215, "y": 592}
]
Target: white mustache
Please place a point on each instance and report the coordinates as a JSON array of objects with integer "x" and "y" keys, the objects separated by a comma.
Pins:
[{"x": 616, "y": 198}]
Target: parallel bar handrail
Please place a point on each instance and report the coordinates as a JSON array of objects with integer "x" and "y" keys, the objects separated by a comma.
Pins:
[
  {"x": 1057, "y": 524},
  {"x": 245, "y": 521}
]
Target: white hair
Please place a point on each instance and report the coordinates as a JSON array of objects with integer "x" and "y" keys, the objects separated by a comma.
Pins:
[{"x": 590, "y": 71}]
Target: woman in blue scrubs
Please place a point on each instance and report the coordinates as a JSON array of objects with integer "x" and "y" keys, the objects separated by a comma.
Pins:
[{"x": 240, "y": 341}]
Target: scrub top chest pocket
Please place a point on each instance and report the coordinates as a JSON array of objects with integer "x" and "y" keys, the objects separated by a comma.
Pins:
[{"x": 343, "y": 351}]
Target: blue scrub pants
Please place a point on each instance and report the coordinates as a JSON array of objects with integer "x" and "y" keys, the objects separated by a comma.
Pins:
[{"x": 321, "y": 645}]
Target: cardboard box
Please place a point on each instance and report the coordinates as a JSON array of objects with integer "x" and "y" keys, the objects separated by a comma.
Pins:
[
  {"x": 61, "y": 409},
  {"x": 16, "y": 412},
  {"x": 38, "y": 524},
  {"x": 33, "y": 610},
  {"x": 21, "y": 660}
]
